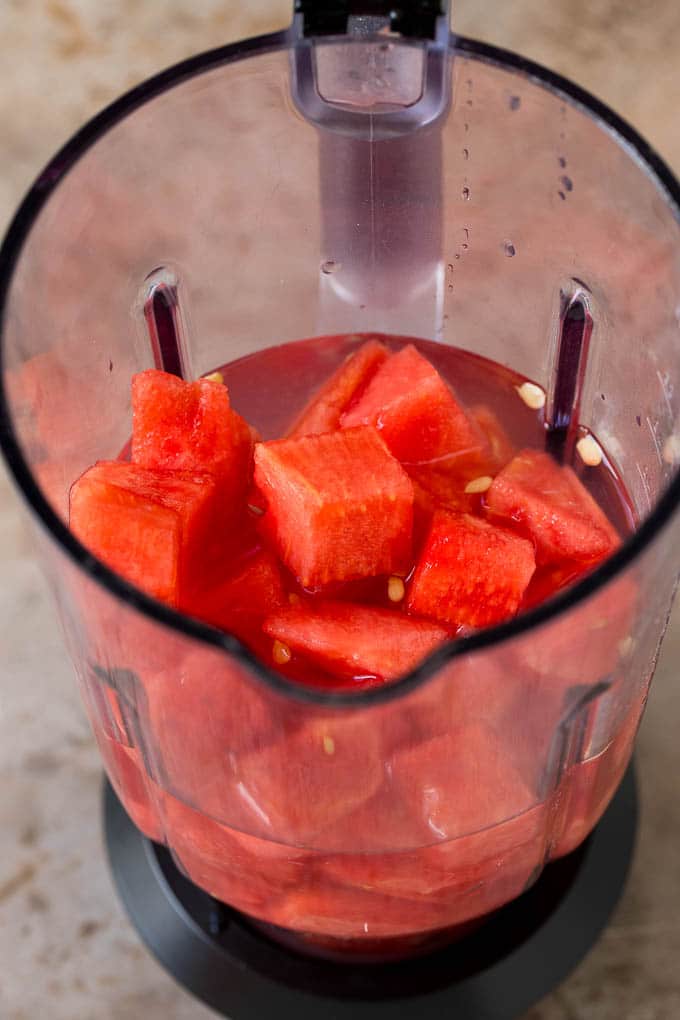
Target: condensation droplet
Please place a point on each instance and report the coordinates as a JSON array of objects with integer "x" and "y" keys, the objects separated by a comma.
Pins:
[
  {"x": 329, "y": 267},
  {"x": 562, "y": 161},
  {"x": 467, "y": 233},
  {"x": 466, "y": 194},
  {"x": 466, "y": 153},
  {"x": 464, "y": 246},
  {"x": 509, "y": 249},
  {"x": 450, "y": 267},
  {"x": 562, "y": 195},
  {"x": 567, "y": 183},
  {"x": 514, "y": 102}
]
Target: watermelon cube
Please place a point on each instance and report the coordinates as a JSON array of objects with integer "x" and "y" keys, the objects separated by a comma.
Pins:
[
  {"x": 441, "y": 488},
  {"x": 323, "y": 413},
  {"x": 340, "y": 506},
  {"x": 415, "y": 411},
  {"x": 202, "y": 716},
  {"x": 470, "y": 573},
  {"x": 461, "y": 782},
  {"x": 298, "y": 787},
  {"x": 354, "y": 640},
  {"x": 549, "y": 504},
  {"x": 190, "y": 426},
  {"x": 240, "y": 602},
  {"x": 249, "y": 873},
  {"x": 150, "y": 526}
]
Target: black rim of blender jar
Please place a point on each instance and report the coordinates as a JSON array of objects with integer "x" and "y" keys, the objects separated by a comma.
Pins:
[{"x": 19, "y": 229}]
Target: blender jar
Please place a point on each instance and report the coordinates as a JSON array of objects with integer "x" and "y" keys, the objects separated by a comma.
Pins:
[{"x": 303, "y": 184}]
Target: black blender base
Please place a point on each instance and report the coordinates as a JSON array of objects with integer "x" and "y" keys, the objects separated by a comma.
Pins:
[{"x": 497, "y": 973}]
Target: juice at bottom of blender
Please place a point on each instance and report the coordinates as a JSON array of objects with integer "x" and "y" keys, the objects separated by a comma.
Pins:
[{"x": 363, "y": 854}]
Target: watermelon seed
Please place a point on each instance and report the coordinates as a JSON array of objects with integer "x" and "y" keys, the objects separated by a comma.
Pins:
[
  {"x": 329, "y": 745},
  {"x": 532, "y": 395},
  {"x": 671, "y": 449},
  {"x": 480, "y": 484},
  {"x": 281, "y": 653},
  {"x": 626, "y": 646},
  {"x": 590, "y": 451},
  {"x": 395, "y": 589}
]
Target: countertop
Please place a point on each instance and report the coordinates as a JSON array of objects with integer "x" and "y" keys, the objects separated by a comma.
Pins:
[{"x": 66, "y": 950}]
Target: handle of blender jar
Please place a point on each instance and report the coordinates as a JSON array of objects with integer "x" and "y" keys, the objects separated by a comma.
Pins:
[{"x": 416, "y": 19}]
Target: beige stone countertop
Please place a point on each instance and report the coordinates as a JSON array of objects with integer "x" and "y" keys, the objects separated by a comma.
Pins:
[{"x": 67, "y": 951}]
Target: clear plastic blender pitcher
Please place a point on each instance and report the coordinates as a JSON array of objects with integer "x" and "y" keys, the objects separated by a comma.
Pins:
[{"x": 303, "y": 184}]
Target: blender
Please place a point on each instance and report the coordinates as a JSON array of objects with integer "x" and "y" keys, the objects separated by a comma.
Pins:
[{"x": 363, "y": 171}]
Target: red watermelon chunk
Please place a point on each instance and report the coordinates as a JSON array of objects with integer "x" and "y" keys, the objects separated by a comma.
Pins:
[
  {"x": 549, "y": 504},
  {"x": 323, "y": 413},
  {"x": 190, "y": 426},
  {"x": 461, "y": 782},
  {"x": 203, "y": 715},
  {"x": 249, "y": 873},
  {"x": 340, "y": 506},
  {"x": 442, "y": 488},
  {"x": 415, "y": 411},
  {"x": 354, "y": 640},
  {"x": 470, "y": 573},
  {"x": 253, "y": 590},
  {"x": 150, "y": 526},
  {"x": 324, "y": 770},
  {"x": 241, "y": 601}
]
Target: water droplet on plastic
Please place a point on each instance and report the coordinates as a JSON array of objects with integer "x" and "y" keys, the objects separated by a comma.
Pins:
[
  {"x": 465, "y": 246},
  {"x": 450, "y": 267},
  {"x": 466, "y": 127},
  {"x": 467, "y": 233},
  {"x": 329, "y": 267},
  {"x": 567, "y": 183},
  {"x": 514, "y": 102},
  {"x": 450, "y": 286},
  {"x": 509, "y": 249},
  {"x": 457, "y": 255},
  {"x": 468, "y": 102},
  {"x": 562, "y": 195},
  {"x": 466, "y": 194},
  {"x": 562, "y": 161},
  {"x": 466, "y": 153}
]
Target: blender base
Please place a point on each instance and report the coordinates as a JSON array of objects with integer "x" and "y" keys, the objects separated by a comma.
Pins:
[{"x": 497, "y": 973}]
